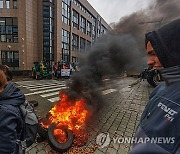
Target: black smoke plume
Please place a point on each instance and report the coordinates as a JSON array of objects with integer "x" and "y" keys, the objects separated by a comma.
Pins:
[
  {"x": 111, "y": 54},
  {"x": 121, "y": 50}
]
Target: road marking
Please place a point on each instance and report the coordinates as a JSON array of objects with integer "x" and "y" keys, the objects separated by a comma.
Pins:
[
  {"x": 18, "y": 82},
  {"x": 55, "y": 99},
  {"x": 41, "y": 85},
  {"x": 126, "y": 89},
  {"x": 105, "y": 92},
  {"x": 50, "y": 94},
  {"x": 44, "y": 91},
  {"x": 35, "y": 89},
  {"x": 39, "y": 82},
  {"x": 106, "y": 80}
]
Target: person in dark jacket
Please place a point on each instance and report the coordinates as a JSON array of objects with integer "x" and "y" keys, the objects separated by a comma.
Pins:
[
  {"x": 11, "y": 122},
  {"x": 159, "y": 127},
  {"x": 8, "y": 72}
]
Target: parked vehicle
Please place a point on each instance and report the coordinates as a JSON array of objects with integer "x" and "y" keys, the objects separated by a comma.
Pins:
[
  {"x": 63, "y": 70},
  {"x": 152, "y": 76},
  {"x": 41, "y": 70}
]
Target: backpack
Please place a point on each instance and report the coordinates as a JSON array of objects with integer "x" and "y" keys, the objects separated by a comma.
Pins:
[{"x": 30, "y": 127}]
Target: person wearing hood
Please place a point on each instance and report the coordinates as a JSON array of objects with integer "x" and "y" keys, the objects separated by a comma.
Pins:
[
  {"x": 159, "y": 128},
  {"x": 11, "y": 122}
]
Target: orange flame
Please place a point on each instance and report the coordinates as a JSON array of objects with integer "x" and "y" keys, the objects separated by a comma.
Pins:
[
  {"x": 43, "y": 125},
  {"x": 73, "y": 116},
  {"x": 60, "y": 135}
]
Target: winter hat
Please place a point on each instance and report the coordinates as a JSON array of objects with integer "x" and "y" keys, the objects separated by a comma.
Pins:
[{"x": 166, "y": 43}]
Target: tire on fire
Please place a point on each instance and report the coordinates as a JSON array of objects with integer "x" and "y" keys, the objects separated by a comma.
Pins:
[{"x": 60, "y": 147}]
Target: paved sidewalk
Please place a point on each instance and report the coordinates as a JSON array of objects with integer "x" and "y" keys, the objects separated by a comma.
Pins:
[{"x": 119, "y": 117}]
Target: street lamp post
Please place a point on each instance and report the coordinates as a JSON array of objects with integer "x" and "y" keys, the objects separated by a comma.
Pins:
[
  {"x": 9, "y": 47},
  {"x": 150, "y": 22}
]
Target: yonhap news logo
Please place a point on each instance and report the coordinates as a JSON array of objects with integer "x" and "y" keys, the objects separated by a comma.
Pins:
[{"x": 103, "y": 140}]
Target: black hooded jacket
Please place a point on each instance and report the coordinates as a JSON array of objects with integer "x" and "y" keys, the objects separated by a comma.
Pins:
[
  {"x": 11, "y": 122},
  {"x": 159, "y": 127},
  {"x": 166, "y": 43}
]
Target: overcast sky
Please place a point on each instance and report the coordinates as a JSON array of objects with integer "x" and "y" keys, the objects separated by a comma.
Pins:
[{"x": 113, "y": 10}]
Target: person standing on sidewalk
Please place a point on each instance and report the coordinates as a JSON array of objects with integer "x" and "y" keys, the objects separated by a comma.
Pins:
[
  {"x": 8, "y": 73},
  {"x": 159, "y": 127},
  {"x": 55, "y": 68},
  {"x": 11, "y": 122}
]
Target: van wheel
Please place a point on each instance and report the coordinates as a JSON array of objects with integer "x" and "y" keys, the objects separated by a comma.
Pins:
[{"x": 153, "y": 78}]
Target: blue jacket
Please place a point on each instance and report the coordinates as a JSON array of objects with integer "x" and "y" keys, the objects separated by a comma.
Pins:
[
  {"x": 11, "y": 122},
  {"x": 161, "y": 118}
]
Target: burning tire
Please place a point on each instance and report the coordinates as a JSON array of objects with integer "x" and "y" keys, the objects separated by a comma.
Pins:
[{"x": 60, "y": 147}]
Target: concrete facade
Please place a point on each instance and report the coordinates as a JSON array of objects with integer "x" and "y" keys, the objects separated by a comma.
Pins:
[{"x": 31, "y": 18}]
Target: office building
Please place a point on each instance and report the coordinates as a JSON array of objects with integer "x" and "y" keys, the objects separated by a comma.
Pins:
[{"x": 48, "y": 30}]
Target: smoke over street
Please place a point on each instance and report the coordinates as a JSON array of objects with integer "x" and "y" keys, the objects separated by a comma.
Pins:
[{"x": 121, "y": 50}]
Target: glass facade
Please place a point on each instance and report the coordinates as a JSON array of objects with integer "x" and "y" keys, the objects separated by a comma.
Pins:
[
  {"x": 98, "y": 26},
  {"x": 74, "y": 59},
  {"x": 10, "y": 58},
  {"x": 8, "y": 30},
  {"x": 82, "y": 44},
  {"x": 75, "y": 19},
  {"x": 79, "y": 28},
  {"x": 65, "y": 45},
  {"x": 83, "y": 24},
  {"x": 7, "y": 4},
  {"x": 88, "y": 45},
  {"x": 103, "y": 29},
  {"x": 75, "y": 42},
  {"x": 48, "y": 30},
  {"x": 14, "y": 4},
  {"x": 1, "y": 4},
  {"x": 66, "y": 12},
  {"x": 94, "y": 30},
  {"x": 89, "y": 28}
]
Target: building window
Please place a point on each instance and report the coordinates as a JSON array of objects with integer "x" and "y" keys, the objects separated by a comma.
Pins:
[
  {"x": 83, "y": 24},
  {"x": 67, "y": 2},
  {"x": 75, "y": 42},
  {"x": 8, "y": 30},
  {"x": 1, "y": 4},
  {"x": 65, "y": 45},
  {"x": 94, "y": 30},
  {"x": 82, "y": 44},
  {"x": 14, "y": 4},
  {"x": 65, "y": 13},
  {"x": 10, "y": 58},
  {"x": 89, "y": 28},
  {"x": 48, "y": 30},
  {"x": 7, "y": 4},
  {"x": 88, "y": 45},
  {"x": 75, "y": 19},
  {"x": 103, "y": 29},
  {"x": 74, "y": 59}
]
